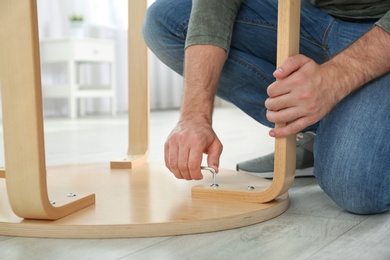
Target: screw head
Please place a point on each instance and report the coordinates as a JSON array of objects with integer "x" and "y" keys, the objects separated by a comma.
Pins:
[
  {"x": 71, "y": 195},
  {"x": 250, "y": 188}
]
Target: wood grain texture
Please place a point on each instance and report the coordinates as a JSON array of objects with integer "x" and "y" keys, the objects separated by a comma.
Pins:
[
  {"x": 23, "y": 116},
  {"x": 142, "y": 202},
  {"x": 138, "y": 141},
  {"x": 287, "y": 46}
]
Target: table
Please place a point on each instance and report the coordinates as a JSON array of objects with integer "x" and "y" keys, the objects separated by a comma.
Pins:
[{"x": 133, "y": 193}]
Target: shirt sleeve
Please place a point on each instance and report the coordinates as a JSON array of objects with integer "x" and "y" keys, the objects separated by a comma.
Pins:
[
  {"x": 384, "y": 22},
  {"x": 211, "y": 22}
]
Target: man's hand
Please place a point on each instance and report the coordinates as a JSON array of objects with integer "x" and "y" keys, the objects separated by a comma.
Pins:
[
  {"x": 305, "y": 92},
  {"x": 193, "y": 136},
  {"x": 301, "y": 95},
  {"x": 185, "y": 146}
]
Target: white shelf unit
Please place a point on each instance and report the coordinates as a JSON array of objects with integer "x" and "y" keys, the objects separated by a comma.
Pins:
[{"x": 73, "y": 52}]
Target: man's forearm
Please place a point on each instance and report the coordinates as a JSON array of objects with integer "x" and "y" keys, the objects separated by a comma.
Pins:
[
  {"x": 202, "y": 69},
  {"x": 366, "y": 59}
]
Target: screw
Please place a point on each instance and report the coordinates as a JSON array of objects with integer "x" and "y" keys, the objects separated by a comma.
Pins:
[
  {"x": 212, "y": 170},
  {"x": 52, "y": 202},
  {"x": 250, "y": 188},
  {"x": 71, "y": 195}
]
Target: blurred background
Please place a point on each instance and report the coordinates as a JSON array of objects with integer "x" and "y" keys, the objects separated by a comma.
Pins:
[{"x": 86, "y": 25}]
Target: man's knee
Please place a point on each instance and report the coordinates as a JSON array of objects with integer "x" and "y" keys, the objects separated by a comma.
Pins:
[
  {"x": 167, "y": 18},
  {"x": 165, "y": 29},
  {"x": 356, "y": 192},
  {"x": 152, "y": 23},
  {"x": 351, "y": 153}
]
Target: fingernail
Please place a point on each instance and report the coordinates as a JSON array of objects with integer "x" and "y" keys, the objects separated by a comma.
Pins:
[
  {"x": 280, "y": 70},
  {"x": 272, "y": 133},
  {"x": 215, "y": 167}
]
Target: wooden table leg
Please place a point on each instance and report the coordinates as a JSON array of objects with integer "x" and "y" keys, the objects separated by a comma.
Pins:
[
  {"x": 138, "y": 113},
  {"x": 285, "y": 148},
  {"x": 23, "y": 115}
]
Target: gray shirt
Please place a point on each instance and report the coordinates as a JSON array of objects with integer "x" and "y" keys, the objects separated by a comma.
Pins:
[{"x": 212, "y": 21}]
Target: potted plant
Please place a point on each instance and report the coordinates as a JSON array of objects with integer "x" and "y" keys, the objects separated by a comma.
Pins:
[{"x": 76, "y": 25}]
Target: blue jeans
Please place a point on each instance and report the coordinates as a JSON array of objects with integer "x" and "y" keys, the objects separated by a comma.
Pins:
[{"x": 352, "y": 146}]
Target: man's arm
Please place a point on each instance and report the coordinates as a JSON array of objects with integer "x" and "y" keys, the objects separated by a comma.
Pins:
[
  {"x": 305, "y": 92},
  {"x": 365, "y": 60},
  {"x": 207, "y": 44},
  {"x": 211, "y": 22},
  {"x": 193, "y": 135}
]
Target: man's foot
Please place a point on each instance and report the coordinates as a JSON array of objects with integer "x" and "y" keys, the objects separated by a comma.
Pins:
[{"x": 305, "y": 157}]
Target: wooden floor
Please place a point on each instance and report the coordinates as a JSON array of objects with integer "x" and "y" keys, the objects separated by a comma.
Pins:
[{"x": 312, "y": 228}]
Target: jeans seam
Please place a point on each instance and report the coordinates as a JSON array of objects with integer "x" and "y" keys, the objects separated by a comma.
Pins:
[
  {"x": 267, "y": 25},
  {"x": 274, "y": 27},
  {"x": 325, "y": 38}
]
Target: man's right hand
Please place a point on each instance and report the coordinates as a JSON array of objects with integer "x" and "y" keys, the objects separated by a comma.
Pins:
[
  {"x": 186, "y": 145},
  {"x": 194, "y": 136}
]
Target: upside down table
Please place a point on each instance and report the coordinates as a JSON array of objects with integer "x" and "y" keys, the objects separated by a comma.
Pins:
[{"x": 128, "y": 197}]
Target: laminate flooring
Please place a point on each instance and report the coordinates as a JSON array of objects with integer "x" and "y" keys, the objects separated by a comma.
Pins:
[{"x": 312, "y": 228}]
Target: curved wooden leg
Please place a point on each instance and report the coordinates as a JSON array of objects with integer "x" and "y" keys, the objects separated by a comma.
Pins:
[
  {"x": 138, "y": 91},
  {"x": 285, "y": 153},
  {"x": 23, "y": 115}
]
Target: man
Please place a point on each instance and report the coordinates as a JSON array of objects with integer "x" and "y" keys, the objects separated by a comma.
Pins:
[{"x": 337, "y": 88}]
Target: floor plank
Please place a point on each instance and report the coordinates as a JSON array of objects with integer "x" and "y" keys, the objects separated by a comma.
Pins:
[
  {"x": 368, "y": 240},
  {"x": 310, "y": 200},
  {"x": 42, "y": 249},
  {"x": 289, "y": 236}
]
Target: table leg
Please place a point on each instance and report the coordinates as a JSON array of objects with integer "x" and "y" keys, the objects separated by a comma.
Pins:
[
  {"x": 23, "y": 115},
  {"x": 285, "y": 148},
  {"x": 138, "y": 114}
]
